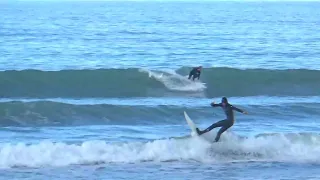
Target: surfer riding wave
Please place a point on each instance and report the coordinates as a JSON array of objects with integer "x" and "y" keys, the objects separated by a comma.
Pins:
[
  {"x": 195, "y": 73},
  {"x": 224, "y": 124}
]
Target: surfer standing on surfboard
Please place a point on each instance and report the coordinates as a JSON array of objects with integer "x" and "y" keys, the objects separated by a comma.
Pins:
[
  {"x": 224, "y": 124},
  {"x": 195, "y": 72}
]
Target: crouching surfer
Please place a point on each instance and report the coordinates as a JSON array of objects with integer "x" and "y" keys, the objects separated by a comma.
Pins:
[{"x": 195, "y": 73}]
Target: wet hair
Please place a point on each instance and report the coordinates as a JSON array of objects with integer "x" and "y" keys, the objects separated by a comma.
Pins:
[{"x": 224, "y": 100}]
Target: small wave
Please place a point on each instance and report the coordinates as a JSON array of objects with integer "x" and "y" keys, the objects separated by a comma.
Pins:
[
  {"x": 124, "y": 83},
  {"x": 50, "y": 113}
]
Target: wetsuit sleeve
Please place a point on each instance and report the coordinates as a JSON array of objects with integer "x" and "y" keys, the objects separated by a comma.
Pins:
[
  {"x": 199, "y": 75},
  {"x": 216, "y": 105},
  {"x": 237, "y": 109}
]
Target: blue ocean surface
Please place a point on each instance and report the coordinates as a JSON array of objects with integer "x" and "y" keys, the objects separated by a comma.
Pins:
[{"x": 97, "y": 89}]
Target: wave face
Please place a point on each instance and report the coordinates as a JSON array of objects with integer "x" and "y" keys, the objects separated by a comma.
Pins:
[
  {"x": 294, "y": 147},
  {"x": 146, "y": 83},
  {"x": 50, "y": 113}
]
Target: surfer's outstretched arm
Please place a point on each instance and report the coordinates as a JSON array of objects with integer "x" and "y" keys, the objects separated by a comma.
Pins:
[
  {"x": 239, "y": 110},
  {"x": 215, "y": 105}
]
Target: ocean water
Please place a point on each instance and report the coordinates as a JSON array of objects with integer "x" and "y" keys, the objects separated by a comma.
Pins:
[{"x": 97, "y": 90}]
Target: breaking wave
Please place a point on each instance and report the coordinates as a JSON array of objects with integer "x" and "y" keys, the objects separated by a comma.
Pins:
[{"x": 294, "y": 147}]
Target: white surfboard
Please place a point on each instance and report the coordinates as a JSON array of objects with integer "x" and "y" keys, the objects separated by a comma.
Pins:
[{"x": 191, "y": 124}]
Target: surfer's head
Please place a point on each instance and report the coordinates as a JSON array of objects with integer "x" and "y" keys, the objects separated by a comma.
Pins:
[
  {"x": 224, "y": 101},
  {"x": 199, "y": 68}
]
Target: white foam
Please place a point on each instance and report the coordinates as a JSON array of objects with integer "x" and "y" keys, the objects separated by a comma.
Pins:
[
  {"x": 232, "y": 148},
  {"x": 174, "y": 81},
  {"x": 61, "y": 154},
  {"x": 273, "y": 147}
]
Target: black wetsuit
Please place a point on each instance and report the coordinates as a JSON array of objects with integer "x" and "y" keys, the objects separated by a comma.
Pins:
[
  {"x": 224, "y": 124},
  {"x": 195, "y": 72}
]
